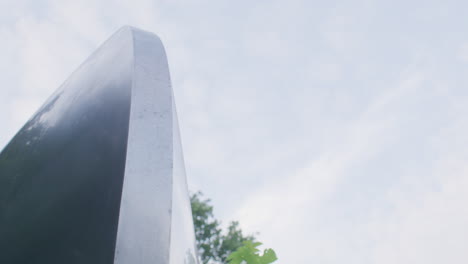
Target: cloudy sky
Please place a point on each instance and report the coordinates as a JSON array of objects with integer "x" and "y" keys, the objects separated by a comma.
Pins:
[{"x": 336, "y": 129}]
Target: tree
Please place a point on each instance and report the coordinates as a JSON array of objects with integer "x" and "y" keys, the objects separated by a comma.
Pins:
[
  {"x": 214, "y": 246},
  {"x": 249, "y": 253}
]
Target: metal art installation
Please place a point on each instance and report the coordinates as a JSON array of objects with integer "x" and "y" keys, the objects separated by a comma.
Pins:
[{"x": 97, "y": 176}]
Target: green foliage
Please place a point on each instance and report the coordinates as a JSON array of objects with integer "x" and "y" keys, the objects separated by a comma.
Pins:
[
  {"x": 249, "y": 253},
  {"x": 207, "y": 231},
  {"x": 214, "y": 245},
  {"x": 232, "y": 241}
]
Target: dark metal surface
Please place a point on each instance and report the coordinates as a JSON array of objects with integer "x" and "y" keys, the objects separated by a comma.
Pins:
[{"x": 61, "y": 175}]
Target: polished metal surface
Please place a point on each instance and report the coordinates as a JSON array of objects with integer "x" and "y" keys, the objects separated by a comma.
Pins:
[{"x": 97, "y": 174}]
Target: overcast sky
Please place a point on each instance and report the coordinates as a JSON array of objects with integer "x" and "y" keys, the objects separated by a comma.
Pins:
[{"x": 336, "y": 129}]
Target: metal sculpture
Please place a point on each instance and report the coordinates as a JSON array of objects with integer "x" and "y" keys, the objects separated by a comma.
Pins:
[{"x": 97, "y": 174}]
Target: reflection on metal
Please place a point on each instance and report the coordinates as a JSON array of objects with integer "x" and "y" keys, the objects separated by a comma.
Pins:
[{"x": 97, "y": 174}]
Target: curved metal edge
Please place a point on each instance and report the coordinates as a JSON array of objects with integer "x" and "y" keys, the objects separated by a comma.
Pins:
[{"x": 144, "y": 228}]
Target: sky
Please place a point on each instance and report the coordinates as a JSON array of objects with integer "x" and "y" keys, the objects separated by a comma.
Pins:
[{"x": 335, "y": 129}]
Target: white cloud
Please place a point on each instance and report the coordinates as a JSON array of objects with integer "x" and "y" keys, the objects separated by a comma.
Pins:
[{"x": 313, "y": 215}]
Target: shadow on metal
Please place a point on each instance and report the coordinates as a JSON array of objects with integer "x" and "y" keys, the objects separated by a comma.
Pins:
[{"x": 97, "y": 174}]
